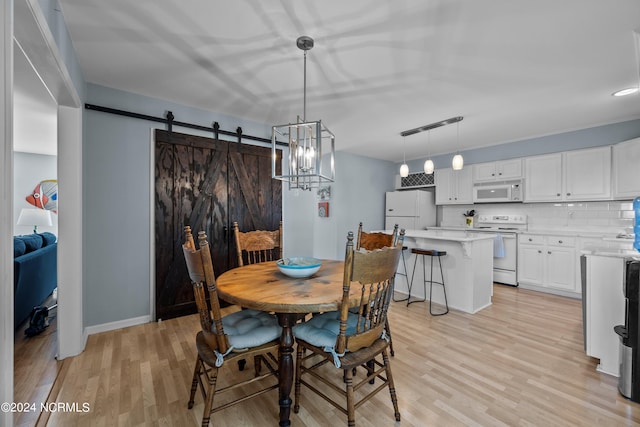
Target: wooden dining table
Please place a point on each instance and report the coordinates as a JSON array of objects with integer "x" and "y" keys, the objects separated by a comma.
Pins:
[{"x": 263, "y": 287}]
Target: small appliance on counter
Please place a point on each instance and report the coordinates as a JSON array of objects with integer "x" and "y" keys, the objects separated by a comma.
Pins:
[{"x": 629, "y": 333}]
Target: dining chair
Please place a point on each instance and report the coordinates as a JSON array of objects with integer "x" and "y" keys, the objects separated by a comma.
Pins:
[
  {"x": 379, "y": 240},
  {"x": 242, "y": 334},
  {"x": 348, "y": 340},
  {"x": 257, "y": 246},
  {"x": 375, "y": 240}
]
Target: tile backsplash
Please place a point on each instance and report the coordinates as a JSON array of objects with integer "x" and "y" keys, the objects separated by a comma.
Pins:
[{"x": 607, "y": 216}]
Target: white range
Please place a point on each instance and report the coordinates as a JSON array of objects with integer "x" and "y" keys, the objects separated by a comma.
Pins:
[{"x": 505, "y": 259}]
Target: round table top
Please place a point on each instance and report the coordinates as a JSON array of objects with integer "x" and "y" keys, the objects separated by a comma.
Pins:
[{"x": 263, "y": 287}]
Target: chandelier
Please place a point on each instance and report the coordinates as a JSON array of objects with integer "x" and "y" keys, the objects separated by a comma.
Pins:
[{"x": 306, "y": 166}]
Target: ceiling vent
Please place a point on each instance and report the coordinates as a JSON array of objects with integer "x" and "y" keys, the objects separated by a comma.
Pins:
[{"x": 414, "y": 180}]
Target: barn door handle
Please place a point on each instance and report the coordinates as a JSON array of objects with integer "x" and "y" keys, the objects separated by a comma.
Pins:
[{"x": 225, "y": 232}]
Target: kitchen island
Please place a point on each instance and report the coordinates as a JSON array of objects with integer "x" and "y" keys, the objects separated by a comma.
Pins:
[{"x": 468, "y": 268}]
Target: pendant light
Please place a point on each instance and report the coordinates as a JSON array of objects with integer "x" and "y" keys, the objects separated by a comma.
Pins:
[
  {"x": 306, "y": 169},
  {"x": 458, "y": 162},
  {"x": 428, "y": 164},
  {"x": 404, "y": 169}
]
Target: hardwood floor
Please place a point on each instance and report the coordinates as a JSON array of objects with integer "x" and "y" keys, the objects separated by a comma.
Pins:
[
  {"x": 35, "y": 368},
  {"x": 519, "y": 362}
]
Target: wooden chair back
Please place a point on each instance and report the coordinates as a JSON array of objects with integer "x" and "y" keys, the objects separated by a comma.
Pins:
[
  {"x": 373, "y": 271},
  {"x": 377, "y": 240},
  {"x": 201, "y": 273},
  {"x": 257, "y": 246}
]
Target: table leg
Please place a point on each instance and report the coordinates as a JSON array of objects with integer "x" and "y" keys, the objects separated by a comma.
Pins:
[{"x": 285, "y": 366}]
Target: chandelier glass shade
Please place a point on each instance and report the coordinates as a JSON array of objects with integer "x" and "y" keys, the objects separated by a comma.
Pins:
[
  {"x": 457, "y": 162},
  {"x": 428, "y": 166},
  {"x": 311, "y": 160}
]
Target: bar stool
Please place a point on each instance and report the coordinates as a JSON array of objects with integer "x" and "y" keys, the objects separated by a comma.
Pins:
[
  {"x": 431, "y": 253},
  {"x": 404, "y": 265}
]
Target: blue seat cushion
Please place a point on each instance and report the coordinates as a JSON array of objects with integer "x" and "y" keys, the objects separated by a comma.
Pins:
[
  {"x": 322, "y": 330},
  {"x": 250, "y": 328}
]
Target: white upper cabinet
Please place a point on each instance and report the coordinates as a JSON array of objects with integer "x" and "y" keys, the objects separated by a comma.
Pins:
[
  {"x": 626, "y": 169},
  {"x": 587, "y": 174},
  {"x": 572, "y": 175},
  {"x": 501, "y": 170},
  {"x": 543, "y": 178},
  {"x": 453, "y": 187}
]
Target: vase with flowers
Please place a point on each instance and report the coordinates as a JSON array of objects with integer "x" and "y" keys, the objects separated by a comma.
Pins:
[{"x": 469, "y": 215}]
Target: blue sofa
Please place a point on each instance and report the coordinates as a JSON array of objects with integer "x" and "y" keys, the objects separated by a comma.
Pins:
[{"x": 35, "y": 269}]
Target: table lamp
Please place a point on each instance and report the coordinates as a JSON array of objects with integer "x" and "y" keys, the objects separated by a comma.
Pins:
[{"x": 35, "y": 217}]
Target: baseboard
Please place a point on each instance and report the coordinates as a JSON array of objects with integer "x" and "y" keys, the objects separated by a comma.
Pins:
[{"x": 105, "y": 327}]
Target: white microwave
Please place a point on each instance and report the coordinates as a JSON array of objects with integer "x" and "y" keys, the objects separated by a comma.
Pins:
[{"x": 498, "y": 192}]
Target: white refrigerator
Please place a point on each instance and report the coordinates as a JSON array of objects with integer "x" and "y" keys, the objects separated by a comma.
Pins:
[{"x": 410, "y": 209}]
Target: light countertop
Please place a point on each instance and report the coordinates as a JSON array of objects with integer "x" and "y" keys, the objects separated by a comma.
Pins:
[{"x": 451, "y": 235}]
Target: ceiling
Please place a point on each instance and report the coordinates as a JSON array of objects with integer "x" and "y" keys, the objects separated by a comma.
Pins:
[{"x": 513, "y": 70}]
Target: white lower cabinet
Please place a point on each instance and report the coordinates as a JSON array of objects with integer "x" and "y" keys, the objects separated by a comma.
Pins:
[{"x": 548, "y": 262}]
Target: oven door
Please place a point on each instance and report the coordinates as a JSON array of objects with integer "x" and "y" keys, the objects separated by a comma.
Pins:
[{"x": 504, "y": 268}]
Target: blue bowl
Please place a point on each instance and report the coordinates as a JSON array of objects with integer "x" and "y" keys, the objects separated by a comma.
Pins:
[{"x": 299, "y": 267}]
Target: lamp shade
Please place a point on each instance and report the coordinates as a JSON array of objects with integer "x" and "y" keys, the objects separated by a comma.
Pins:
[
  {"x": 457, "y": 162},
  {"x": 35, "y": 217},
  {"x": 404, "y": 170},
  {"x": 428, "y": 166}
]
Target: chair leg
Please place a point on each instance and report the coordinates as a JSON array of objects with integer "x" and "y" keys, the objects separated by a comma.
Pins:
[
  {"x": 299, "y": 355},
  {"x": 351, "y": 405},
  {"x": 392, "y": 388},
  {"x": 371, "y": 367},
  {"x": 257, "y": 364},
  {"x": 194, "y": 383},
  {"x": 388, "y": 329},
  {"x": 406, "y": 276},
  {"x": 444, "y": 290},
  {"x": 413, "y": 275},
  {"x": 213, "y": 378}
]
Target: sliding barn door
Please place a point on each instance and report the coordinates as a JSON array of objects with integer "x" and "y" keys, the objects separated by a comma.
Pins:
[
  {"x": 207, "y": 184},
  {"x": 255, "y": 199}
]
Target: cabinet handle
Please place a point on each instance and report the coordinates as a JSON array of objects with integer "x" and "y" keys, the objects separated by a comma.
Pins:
[
  {"x": 558, "y": 194},
  {"x": 539, "y": 252},
  {"x": 568, "y": 194},
  {"x": 549, "y": 252},
  {"x": 500, "y": 173},
  {"x": 493, "y": 174},
  {"x": 560, "y": 241},
  {"x": 530, "y": 239}
]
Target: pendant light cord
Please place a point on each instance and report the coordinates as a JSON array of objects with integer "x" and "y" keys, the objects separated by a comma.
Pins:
[{"x": 304, "y": 96}]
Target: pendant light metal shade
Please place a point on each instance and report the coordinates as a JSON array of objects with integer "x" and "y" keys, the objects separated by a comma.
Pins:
[{"x": 311, "y": 160}]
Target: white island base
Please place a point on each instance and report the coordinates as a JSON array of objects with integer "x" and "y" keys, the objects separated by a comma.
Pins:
[{"x": 467, "y": 266}]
